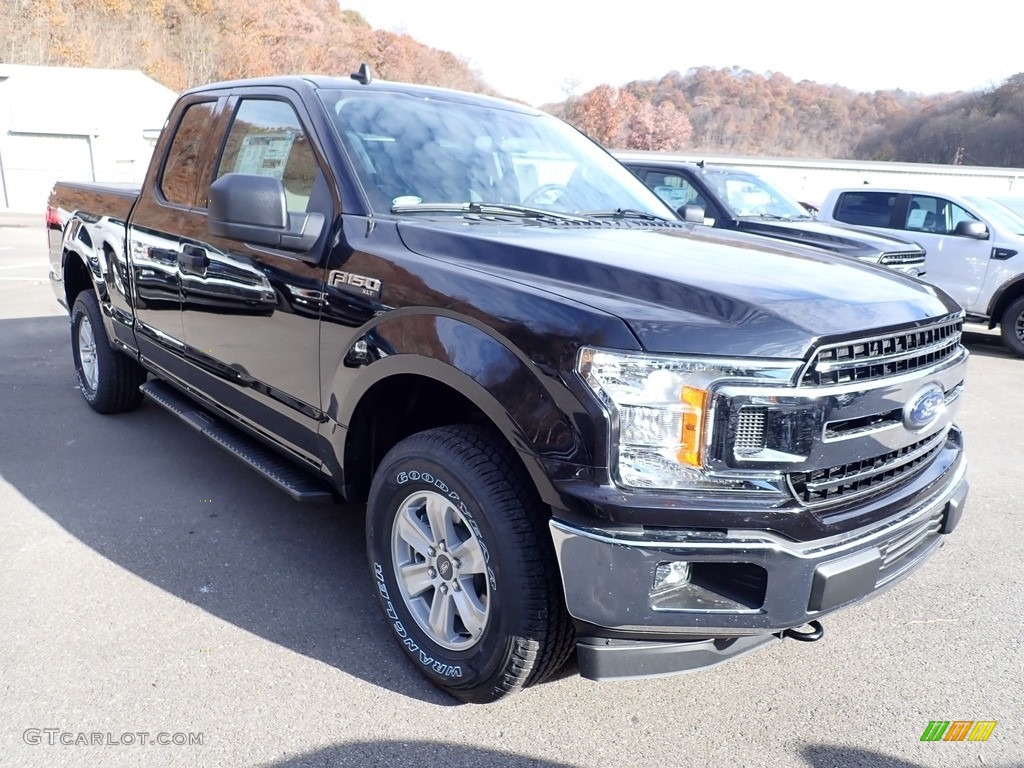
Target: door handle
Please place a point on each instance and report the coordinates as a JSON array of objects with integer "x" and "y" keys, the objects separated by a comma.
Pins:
[{"x": 193, "y": 260}]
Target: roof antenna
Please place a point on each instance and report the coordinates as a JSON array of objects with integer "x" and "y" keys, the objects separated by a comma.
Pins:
[
  {"x": 364, "y": 75},
  {"x": 700, "y": 163}
]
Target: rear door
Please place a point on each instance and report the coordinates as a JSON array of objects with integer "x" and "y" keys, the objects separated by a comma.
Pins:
[
  {"x": 163, "y": 211},
  {"x": 251, "y": 313}
]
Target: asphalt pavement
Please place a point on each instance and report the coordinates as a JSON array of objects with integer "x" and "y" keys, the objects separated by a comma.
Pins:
[{"x": 153, "y": 589}]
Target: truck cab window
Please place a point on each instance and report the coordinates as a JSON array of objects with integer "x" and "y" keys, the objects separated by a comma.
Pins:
[
  {"x": 675, "y": 190},
  {"x": 267, "y": 139},
  {"x": 181, "y": 171},
  {"x": 934, "y": 214}
]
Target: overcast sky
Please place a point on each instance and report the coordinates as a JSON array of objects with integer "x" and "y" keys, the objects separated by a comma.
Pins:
[{"x": 530, "y": 49}]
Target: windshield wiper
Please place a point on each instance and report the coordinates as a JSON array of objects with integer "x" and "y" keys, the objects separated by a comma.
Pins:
[
  {"x": 486, "y": 208},
  {"x": 767, "y": 216},
  {"x": 625, "y": 213}
]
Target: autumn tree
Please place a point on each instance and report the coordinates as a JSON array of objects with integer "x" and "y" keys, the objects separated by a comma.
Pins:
[{"x": 665, "y": 127}]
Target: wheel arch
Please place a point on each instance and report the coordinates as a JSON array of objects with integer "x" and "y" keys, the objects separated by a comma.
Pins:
[
  {"x": 430, "y": 371},
  {"x": 1004, "y": 296}
]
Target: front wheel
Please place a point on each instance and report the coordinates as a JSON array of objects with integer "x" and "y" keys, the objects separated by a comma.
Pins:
[
  {"x": 464, "y": 565},
  {"x": 1011, "y": 325},
  {"x": 109, "y": 380}
]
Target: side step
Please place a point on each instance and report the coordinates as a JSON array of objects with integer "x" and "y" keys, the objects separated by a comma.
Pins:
[{"x": 290, "y": 478}]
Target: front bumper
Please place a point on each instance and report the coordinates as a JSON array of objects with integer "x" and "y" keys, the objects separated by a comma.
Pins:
[{"x": 746, "y": 585}]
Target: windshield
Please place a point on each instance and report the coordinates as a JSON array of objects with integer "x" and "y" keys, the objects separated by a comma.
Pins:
[
  {"x": 415, "y": 153},
  {"x": 1015, "y": 205},
  {"x": 999, "y": 213},
  {"x": 747, "y": 195}
]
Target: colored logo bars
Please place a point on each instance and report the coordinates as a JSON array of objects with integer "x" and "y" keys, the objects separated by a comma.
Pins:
[{"x": 958, "y": 730}]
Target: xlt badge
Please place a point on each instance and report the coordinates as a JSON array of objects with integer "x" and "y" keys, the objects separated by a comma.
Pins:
[{"x": 353, "y": 283}]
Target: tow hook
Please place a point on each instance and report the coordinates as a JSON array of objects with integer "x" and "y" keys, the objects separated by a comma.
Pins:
[{"x": 816, "y": 632}]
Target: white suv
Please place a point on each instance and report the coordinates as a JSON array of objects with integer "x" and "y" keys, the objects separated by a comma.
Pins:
[{"x": 975, "y": 246}]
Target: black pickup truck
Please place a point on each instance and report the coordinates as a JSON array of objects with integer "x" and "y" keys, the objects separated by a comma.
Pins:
[
  {"x": 576, "y": 421},
  {"x": 733, "y": 198}
]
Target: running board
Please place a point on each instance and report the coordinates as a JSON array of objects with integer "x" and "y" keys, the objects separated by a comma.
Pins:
[{"x": 290, "y": 478}]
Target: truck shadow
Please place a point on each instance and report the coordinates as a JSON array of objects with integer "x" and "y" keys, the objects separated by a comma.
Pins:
[
  {"x": 830, "y": 756},
  {"x": 411, "y": 753},
  {"x": 149, "y": 494},
  {"x": 988, "y": 344}
]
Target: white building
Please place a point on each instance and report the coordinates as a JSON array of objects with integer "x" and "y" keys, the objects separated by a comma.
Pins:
[{"x": 70, "y": 124}]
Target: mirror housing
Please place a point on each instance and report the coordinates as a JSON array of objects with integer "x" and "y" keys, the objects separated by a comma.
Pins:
[
  {"x": 975, "y": 229},
  {"x": 254, "y": 209},
  {"x": 692, "y": 213}
]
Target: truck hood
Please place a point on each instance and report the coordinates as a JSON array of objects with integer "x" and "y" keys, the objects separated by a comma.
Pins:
[
  {"x": 834, "y": 237},
  {"x": 690, "y": 292}
]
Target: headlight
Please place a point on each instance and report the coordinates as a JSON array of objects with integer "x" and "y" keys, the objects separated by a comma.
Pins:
[{"x": 659, "y": 408}]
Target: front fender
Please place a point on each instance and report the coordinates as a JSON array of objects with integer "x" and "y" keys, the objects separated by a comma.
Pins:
[{"x": 525, "y": 399}]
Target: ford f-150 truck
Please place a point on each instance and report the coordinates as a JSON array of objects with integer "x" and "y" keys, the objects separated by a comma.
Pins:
[
  {"x": 733, "y": 198},
  {"x": 575, "y": 421}
]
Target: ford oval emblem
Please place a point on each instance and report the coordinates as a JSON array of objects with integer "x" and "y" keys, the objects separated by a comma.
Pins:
[{"x": 924, "y": 408}]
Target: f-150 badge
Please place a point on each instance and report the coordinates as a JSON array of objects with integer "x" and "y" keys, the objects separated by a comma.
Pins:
[{"x": 353, "y": 283}]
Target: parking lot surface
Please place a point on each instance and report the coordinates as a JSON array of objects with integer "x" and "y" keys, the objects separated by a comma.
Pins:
[{"x": 153, "y": 589}]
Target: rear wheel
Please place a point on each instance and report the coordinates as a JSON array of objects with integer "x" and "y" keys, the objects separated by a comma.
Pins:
[
  {"x": 1011, "y": 325},
  {"x": 464, "y": 564},
  {"x": 109, "y": 380}
]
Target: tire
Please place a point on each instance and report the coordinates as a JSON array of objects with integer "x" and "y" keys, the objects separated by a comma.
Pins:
[
  {"x": 485, "y": 617},
  {"x": 1011, "y": 326},
  {"x": 109, "y": 380}
]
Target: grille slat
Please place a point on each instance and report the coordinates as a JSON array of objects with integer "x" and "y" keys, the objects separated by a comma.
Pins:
[
  {"x": 902, "y": 552},
  {"x": 841, "y": 483},
  {"x": 902, "y": 258},
  {"x": 884, "y": 356}
]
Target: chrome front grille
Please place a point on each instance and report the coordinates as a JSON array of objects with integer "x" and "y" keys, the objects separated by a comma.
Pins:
[
  {"x": 834, "y": 485},
  {"x": 902, "y": 258},
  {"x": 880, "y": 357}
]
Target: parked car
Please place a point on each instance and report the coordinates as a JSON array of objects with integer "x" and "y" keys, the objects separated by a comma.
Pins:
[
  {"x": 729, "y": 198},
  {"x": 975, "y": 246},
  {"x": 575, "y": 421}
]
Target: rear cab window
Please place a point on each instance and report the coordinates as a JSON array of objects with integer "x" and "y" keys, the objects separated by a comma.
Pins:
[
  {"x": 866, "y": 209},
  {"x": 178, "y": 180}
]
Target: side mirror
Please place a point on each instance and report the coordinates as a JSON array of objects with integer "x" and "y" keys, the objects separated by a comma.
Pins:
[
  {"x": 974, "y": 229},
  {"x": 254, "y": 209},
  {"x": 692, "y": 213}
]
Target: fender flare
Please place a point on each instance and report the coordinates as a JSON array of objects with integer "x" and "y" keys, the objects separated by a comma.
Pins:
[{"x": 531, "y": 407}]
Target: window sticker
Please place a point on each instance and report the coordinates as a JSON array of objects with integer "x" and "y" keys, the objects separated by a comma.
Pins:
[{"x": 265, "y": 155}]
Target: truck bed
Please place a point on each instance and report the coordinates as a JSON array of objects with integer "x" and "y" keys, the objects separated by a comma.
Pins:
[{"x": 112, "y": 199}]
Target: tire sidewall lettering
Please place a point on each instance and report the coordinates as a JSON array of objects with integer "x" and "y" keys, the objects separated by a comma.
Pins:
[{"x": 433, "y": 660}]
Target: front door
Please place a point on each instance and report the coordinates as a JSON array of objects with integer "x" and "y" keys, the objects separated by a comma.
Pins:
[
  {"x": 955, "y": 263},
  {"x": 251, "y": 314}
]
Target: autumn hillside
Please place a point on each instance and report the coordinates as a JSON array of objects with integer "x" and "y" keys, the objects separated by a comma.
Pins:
[
  {"x": 730, "y": 111},
  {"x": 187, "y": 42}
]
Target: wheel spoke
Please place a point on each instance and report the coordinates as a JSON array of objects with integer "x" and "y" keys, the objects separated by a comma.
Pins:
[
  {"x": 413, "y": 532},
  {"x": 87, "y": 352},
  {"x": 439, "y": 515},
  {"x": 415, "y": 578},
  {"x": 470, "y": 556},
  {"x": 442, "y": 618},
  {"x": 469, "y": 608}
]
